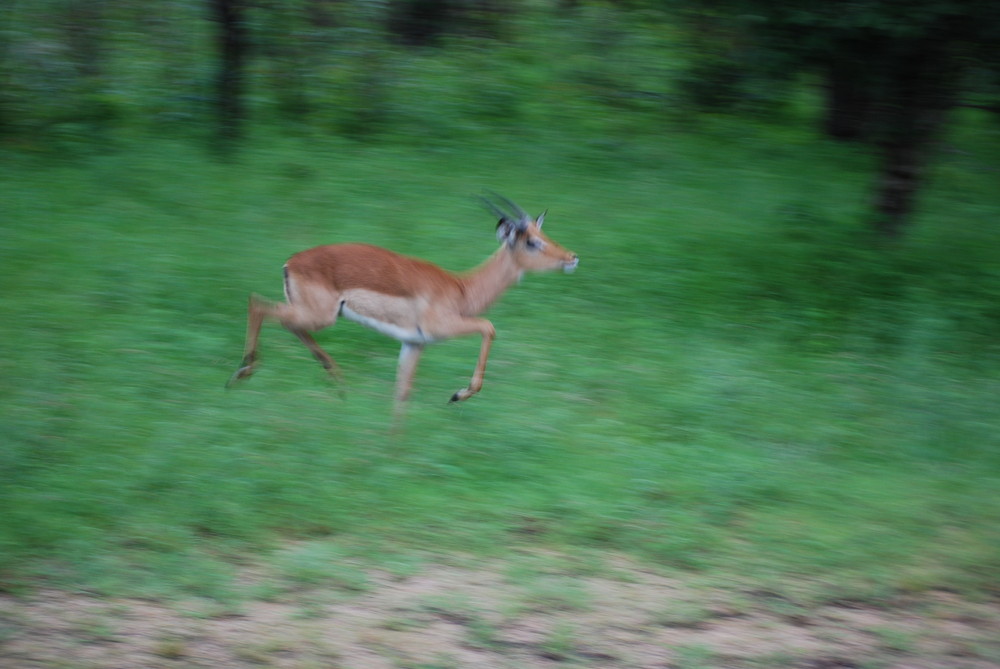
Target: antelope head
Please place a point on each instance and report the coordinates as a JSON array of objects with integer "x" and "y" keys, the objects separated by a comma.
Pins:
[{"x": 522, "y": 236}]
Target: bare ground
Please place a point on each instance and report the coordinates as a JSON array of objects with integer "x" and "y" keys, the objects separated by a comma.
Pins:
[{"x": 499, "y": 614}]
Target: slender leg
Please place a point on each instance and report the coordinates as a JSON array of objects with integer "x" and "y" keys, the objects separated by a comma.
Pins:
[
  {"x": 476, "y": 384},
  {"x": 409, "y": 356},
  {"x": 306, "y": 314},
  {"x": 324, "y": 359},
  {"x": 256, "y": 311},
  {"x": 457, "y": 327}
]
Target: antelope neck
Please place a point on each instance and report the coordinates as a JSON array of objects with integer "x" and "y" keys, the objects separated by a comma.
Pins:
[{"x": 484, "y": 284}]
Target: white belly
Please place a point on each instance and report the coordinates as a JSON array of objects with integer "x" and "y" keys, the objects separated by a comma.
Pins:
[{"x": 394, "y": 317}]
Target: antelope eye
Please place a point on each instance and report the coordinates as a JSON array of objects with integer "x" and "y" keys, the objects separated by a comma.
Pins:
[{"x": 533, "y": 243}]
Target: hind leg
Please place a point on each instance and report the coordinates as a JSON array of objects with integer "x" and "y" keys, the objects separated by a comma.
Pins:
[
  {"x": 324, "y": 358},
  {"x": 308, "y": 309},
  {"x": 257, "y": 311}
]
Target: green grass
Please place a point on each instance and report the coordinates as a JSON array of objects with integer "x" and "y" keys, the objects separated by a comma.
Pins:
[{"x": 734, "y": 381}]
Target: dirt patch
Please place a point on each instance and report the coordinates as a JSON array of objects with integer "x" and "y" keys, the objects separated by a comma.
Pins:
[{"x": 502, "y": 615}]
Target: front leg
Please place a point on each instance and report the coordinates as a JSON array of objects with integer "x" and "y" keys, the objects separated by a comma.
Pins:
[
  {"x": 484, "y": 327},
  {"x": 448, "y": 325}
]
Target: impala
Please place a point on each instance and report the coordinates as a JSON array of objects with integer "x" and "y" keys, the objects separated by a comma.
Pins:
[{"x": 411, "y": 300}]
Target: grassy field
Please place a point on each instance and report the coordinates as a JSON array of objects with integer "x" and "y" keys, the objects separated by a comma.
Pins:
[{"x": 736, "y": 381}]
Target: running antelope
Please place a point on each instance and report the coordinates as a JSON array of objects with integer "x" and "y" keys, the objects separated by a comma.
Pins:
[{"x": 408, "y": 299}]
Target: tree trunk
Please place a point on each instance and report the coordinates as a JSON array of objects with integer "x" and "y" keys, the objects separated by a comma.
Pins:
[
  {"x": 850, "y": 97},
  {"x": 897, "y": 184},
  {"x": 421, "y": 22},
  {"x": 232, "y": 43},
  {"x": 923, "y": 86}
]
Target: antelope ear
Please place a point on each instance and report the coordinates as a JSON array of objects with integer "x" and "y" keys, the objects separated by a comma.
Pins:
[
  {"x": 541, "y": 218},
  {"x": 507, "y": 231}
]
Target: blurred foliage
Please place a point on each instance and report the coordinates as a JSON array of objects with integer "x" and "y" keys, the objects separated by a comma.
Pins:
[
  {"x": 330, "y": 67},
  {"x": 336, "y": 66},
  {"x": 87, "y": 74},
  {"x": 892, "y": 71}
]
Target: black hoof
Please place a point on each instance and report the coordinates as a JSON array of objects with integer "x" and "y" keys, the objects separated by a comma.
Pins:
[
  {"x": 454, "y": 398},
  {"x": 241, "y": 373}
]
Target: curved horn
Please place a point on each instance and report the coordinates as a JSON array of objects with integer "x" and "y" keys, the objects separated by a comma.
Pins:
[
  {"x": 504, "y": 216},
  {"x": 522, "y": 215}
]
